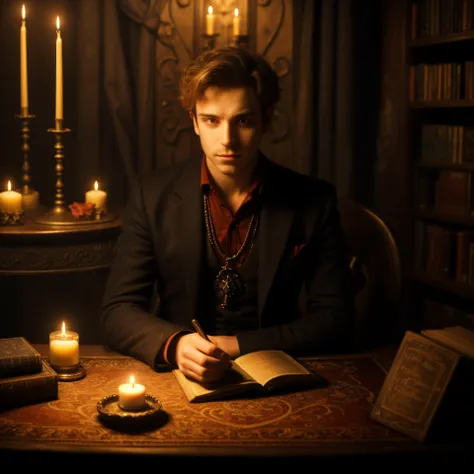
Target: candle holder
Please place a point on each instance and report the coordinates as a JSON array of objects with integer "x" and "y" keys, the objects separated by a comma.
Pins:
[
  {"x": 30, "y": 196},
  {"x": 64, "y": 355},
  {"x": 59, "y": 214},
  {"x": 12, "y": 218},
  {"x": 210, "y": 41},
  {"x": 69, "y": 373},
  {"x": 111, "y": 414},
  {"x": 240, "y": 41}
]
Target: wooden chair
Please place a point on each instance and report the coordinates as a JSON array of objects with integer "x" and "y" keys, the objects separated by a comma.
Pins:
[{"x": 375, "y": 262}]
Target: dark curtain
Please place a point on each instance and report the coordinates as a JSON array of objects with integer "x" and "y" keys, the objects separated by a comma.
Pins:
[{"x": 337, "y": 93}]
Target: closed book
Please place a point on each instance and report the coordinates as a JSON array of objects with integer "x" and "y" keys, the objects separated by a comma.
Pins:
[
  {"x": 429, "y": 385},
  {"x": 18, "y": 357},
  {"x": 28, "y": 389}
]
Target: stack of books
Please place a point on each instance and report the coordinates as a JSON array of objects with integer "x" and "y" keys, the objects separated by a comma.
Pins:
[{"x": 24, "y": 377}]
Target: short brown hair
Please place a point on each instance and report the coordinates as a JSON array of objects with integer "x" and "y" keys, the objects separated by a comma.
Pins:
[{"x": 229, "y": 67}]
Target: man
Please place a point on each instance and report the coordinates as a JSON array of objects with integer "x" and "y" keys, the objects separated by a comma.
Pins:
[{"x": 228, "y": 238}]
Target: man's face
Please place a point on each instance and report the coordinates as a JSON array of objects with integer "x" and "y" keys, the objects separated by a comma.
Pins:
[{"x": 229, "y": 125}]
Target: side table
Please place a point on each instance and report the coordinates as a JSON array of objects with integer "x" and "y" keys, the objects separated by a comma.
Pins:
[{"x": 50, "y": 274}]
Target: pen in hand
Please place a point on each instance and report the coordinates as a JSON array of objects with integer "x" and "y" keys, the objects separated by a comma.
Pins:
[{"x": 199, "y": 330}]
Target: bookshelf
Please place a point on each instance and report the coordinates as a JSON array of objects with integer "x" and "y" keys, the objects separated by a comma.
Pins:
[{"x": 440, "y": 136}]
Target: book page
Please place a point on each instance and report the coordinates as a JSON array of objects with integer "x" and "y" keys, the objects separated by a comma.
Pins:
[
  {"x": 235, "y": 381},
  {"x": 265, "y": 366}
]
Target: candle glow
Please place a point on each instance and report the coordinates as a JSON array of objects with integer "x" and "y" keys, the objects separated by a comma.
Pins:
[
  {"x": 210, "y": 21},
  {"x": 64, "y": 348},
  {"x": 132, "y": 395},
  {"x": 10, "y": 201},
  {"x": 97, "y": 197},
  {"x": 23, "y": 64},
  {"x": 59, "y": 72},
  {"x": 236, "y": 23}
]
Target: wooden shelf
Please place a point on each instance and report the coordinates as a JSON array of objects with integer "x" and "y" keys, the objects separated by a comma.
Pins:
[
  {"x": 447, "y": 166},
  {"x": 442, "y": 104},
  {"x": 451, "y": 286},
  {"x": 450, "y": 219},
  {"x": 442, "y": 39}
]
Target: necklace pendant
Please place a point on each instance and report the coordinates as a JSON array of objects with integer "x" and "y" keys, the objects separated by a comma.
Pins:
[{"x": 229, "y": 286}]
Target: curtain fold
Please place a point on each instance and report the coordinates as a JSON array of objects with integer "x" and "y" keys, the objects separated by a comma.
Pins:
[{"x": 334, "y": 103}]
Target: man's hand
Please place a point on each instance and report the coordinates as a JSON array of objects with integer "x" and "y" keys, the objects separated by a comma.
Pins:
[
  {"x": 228, "y": 344},
  {"x": 199, "y": 359}
]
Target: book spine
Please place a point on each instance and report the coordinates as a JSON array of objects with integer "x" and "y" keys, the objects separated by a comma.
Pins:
[
  {"x": 27, "y": 391},
  {"x": 20, "y": 365}
]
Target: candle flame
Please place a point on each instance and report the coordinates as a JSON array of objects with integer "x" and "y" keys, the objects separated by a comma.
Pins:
[
  {"x": 23, "y": 12},
  {"x": 64, "y": 329},
  {"x": 9, "y": 186},
  {"x": 236, "y": 12},
  {"x": 209, "y": 10},
  {"x": 132, "y": 380},
  {"x": 96, "y": 185},
  {"x": 58, "y": 24}
]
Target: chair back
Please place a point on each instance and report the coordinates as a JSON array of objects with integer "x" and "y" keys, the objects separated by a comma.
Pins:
[{"x": 375, "y": 262}]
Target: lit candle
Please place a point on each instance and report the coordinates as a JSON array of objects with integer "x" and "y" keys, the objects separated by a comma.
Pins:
[
  {"x": 10, "y": 201},
  {"x": 236, "y": 22},
  {"x": 59, "y": 72},
  {"x": 23, "y": 64},
  {"x": 97, "y": 196},
  {"x": 131, "y": 395},
  {"x": 64, "y": 348},
  {"x": 210, "y": 18}
]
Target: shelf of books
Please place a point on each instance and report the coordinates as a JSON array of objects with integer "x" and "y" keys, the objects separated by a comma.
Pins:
[{"x": 440, "y": 77}]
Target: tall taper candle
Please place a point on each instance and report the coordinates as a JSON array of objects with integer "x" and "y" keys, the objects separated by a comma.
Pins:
[
  {"x": 23, "y": 65},
  {"x": 59, "y": 72}
]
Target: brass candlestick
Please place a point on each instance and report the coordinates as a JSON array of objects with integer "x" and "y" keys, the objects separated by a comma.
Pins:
[
  {"x": 30, "y": 196},
  {"x": 210, "y": 41},
  {"x": 240, "y": 41},
  {"x": 59, "y": 214}
]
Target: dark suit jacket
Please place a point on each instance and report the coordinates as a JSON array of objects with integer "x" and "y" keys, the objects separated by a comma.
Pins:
[{"x": 301, "y": 251}]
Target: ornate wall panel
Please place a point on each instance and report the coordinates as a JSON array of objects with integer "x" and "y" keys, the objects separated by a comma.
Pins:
[
  {"x": 269, "y": 25},
  {"x": 274, "y": 39}
]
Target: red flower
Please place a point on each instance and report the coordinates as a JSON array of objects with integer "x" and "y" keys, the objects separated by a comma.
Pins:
[{"x": 79, "y": 209}]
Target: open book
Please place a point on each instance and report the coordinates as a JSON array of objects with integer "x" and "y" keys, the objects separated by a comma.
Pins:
[{"x": 261, "y": 370}]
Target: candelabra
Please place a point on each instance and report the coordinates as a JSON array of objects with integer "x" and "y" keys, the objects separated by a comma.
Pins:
[{"x": 30, "y": 197}]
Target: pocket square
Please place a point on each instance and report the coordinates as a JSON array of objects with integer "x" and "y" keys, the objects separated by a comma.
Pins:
[{"x": 297, "y": 249}]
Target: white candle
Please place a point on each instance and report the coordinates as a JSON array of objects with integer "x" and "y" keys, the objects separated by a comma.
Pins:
[
  {"x": 210, "y": 18},
  {"x": 23, "y": 64},
  {"x": 59, "y": 72},
  {"x": 236, "y": 22},
  {"x": 132, "y": 395},
  {"x": 97, "y": 197},
  {"x": 30, "y": 200},
  {"x": 10, "y": 201},
  {"x": 64, "y": 348}
]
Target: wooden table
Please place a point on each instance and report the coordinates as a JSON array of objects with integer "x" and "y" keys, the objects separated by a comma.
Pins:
[
  {"x": 54, "y": 273},
  {"x": 331, "y": 425}
]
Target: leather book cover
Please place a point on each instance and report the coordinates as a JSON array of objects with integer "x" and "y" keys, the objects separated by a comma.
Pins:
[
  {"x": 18, "y": 357},
  {"x": 28, "y": 389},
  {"x": 415, "y": 385},
  {"x": 453, "y": 192}
]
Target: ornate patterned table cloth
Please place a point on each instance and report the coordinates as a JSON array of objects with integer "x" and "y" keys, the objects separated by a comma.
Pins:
[{"x": 311, "y": 420}]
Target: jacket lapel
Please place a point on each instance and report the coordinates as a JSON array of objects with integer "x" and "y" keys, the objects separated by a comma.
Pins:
[
  {"x": 276, "y": 217},
  {"x": 187, "y": 219}
]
